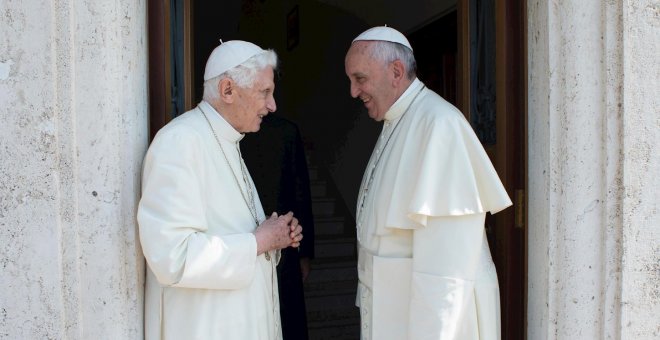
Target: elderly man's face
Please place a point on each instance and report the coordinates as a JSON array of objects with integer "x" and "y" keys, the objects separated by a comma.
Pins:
[
  {"x": 253, "y": 103},
  {"x": 371, "y": 80}
]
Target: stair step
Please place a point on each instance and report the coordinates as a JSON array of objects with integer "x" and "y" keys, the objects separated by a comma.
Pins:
[
  {"x": 330, "y": 289},
  {"x": 329, "y": 272},
  {"x": 328, "y": 226},
  {"x": 330, "y": 302},
  {"x": 313, "y": 173},
  {"x": 337, "y": 317},
  {"x": 346, "y": 332},
  {"x": 321, "y": 288},
  {"x": 318, "y": 188},
  {"x": 341, "y": 317},
  {"x": 323, "y": 206},
  {"x": 336, "y": 247},
  {"x": 342, "y": 323},
  {"x": 336, "y": 262}
]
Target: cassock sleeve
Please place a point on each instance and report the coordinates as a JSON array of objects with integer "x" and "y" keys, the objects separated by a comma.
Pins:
[{"x": 172, "y": 221}]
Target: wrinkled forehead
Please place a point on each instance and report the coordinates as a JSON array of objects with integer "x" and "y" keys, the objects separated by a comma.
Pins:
[
  {"x": 360, "y": 59},
  {"x": 360, "y": 48},
  {"x": 358, "y": 53},
  {"x": 261, "y": 78},
  {"x": 265, "y": 78}
]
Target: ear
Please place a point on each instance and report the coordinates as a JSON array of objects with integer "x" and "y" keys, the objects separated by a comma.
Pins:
[
  {"x": 227, "y": 89},
  {"x": 398, "y": 71}
]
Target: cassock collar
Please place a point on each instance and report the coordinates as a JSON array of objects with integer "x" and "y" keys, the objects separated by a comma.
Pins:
[
  {"x": 220, "y": 125},
  {"x": 401, "y": 104}
]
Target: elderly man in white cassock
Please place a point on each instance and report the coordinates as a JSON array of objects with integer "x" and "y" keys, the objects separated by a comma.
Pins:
[
  {"x": 424, "y": 266},
  {"x": 210, "y": 250}
]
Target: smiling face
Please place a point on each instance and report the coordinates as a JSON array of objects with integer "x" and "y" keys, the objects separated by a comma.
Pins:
[
  {"x": 372, "y": 81},
  {"x": 251, "y": 104}
]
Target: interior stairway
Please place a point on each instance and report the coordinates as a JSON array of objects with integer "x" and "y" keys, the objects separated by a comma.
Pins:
[{"x": 331, "y": 285}]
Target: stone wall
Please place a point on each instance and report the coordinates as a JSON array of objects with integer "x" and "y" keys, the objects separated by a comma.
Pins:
[
  {"x": 640, "y": 125},
  {"x": 594, "y": 125},
  {"x": 73, "y": 106}
]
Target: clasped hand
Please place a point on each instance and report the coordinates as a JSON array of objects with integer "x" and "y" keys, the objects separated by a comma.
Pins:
[{"x": 278, "y": 232}]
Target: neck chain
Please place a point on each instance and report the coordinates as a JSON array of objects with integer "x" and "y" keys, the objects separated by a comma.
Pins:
[
  {"x": 249, "y": 196},
  {"x": 372, "y": 170}
]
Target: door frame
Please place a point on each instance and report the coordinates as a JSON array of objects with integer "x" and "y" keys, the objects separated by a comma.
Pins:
[
  {"x": 509, "y": 154},
  {"x": 159, "y": 18}
]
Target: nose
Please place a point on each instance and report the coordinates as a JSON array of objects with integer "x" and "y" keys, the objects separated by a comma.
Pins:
[
  {"x": 354, "y": 90},
  {"x": 271, "y": 105}
]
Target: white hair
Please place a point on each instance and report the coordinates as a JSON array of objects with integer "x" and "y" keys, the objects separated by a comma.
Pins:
[
  {"x": 388, "y": 52},
  {"x": 244, "y": 74}
]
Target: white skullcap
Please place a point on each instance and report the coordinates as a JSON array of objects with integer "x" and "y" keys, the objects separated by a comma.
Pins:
[
  {"x": 384, "y": 33},
  {"x": 229, "y": 55}
]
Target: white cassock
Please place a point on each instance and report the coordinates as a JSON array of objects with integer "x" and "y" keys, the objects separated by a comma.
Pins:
[
  {"x": 424, "y": 266},
  {"x": 204, "y": 278}
]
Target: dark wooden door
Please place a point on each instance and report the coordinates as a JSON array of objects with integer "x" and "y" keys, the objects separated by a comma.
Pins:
[
  {"x": 511, "y": 162},
  {"x": 475, "y": 58},
  {"x": 493, "y": 56},
  {"x": 170, "y": 60}
]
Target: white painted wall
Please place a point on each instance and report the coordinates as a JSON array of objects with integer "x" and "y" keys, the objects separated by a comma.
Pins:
[
  {"x": 594, "y": 129},
  {"x": 73, "y": 107}
]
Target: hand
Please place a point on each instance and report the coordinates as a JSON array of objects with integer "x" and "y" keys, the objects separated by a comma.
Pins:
[
  {"x": 296, "y": 232},
  {"x": 277, "y": 232}
]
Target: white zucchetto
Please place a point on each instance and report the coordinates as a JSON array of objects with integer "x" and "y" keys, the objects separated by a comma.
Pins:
[
  {"x": 384, "y": 33},
  {"x": 229, "y": 55}
]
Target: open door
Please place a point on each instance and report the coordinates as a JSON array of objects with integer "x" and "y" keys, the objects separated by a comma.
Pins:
[
  {"x": 492, "y": 66},
  {"x": 475, "y": 57}
]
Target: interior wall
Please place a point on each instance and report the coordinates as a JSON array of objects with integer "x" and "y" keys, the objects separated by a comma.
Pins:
[
  {"x": 312, "y": 89},
  {"x": 406, "y": 18}
]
